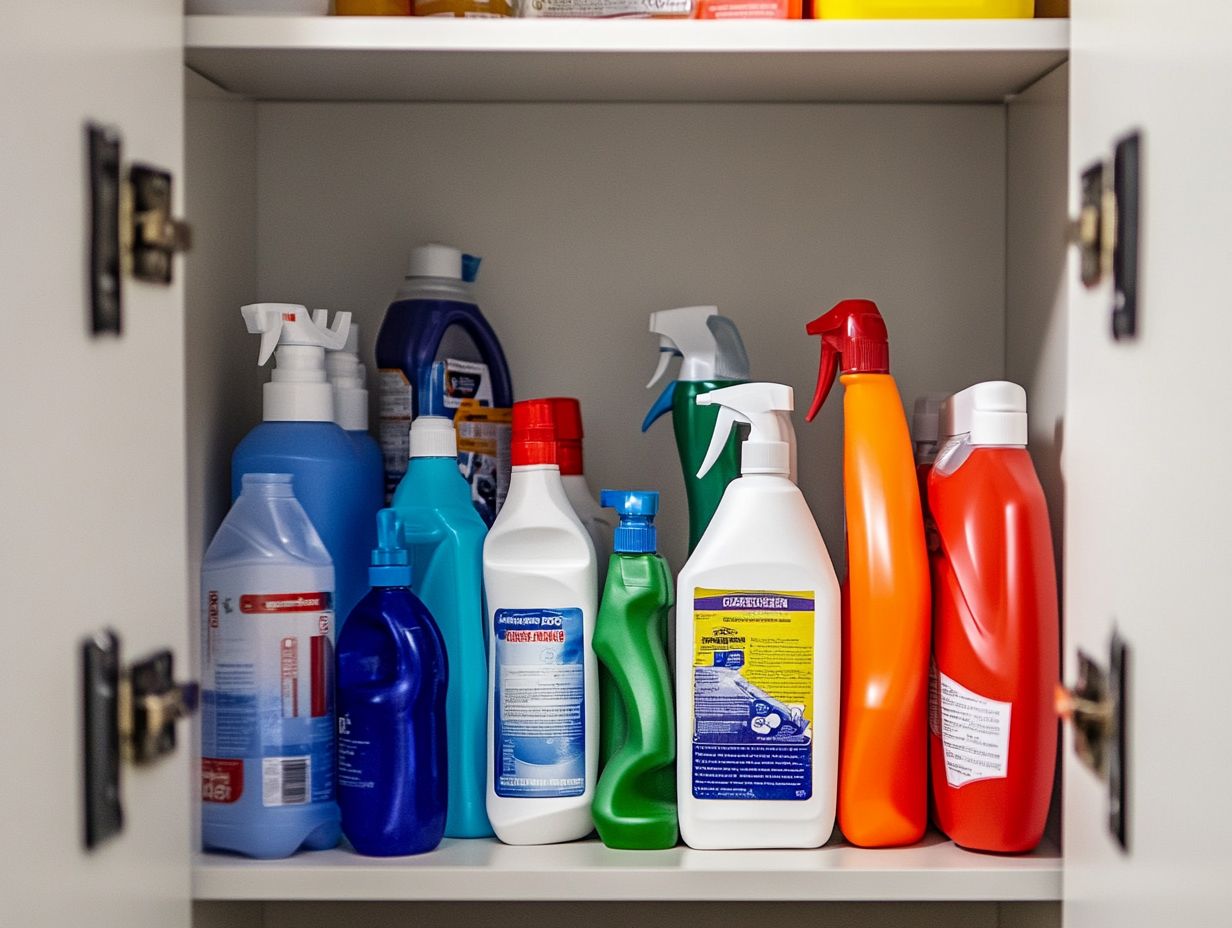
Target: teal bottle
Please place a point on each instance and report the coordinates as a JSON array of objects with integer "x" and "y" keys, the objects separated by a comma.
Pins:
[
  {"x": 444, "y": 536},
  {"x": 635, "y": 799}
]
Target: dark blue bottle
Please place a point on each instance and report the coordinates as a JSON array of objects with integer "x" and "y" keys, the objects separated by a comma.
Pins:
[{"x": 393, "y": 778}]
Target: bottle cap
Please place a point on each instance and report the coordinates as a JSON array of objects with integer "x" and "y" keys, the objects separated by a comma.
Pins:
[
  {"x": 390, "y": 560},
  {"x": 433, "y": 437},
  {"x": 709, "y": 346},
  {"x": 298, "y": 390},
  {"x": 568, "y": 415},
  {"x": 534, "y": 433},
  {"x": 926, "y": 418},
  {"x": 636, "y": 533},
  {"x": 993, "y": 413},
  {"x": 435, "y": 260},
  {"x": 765, "y": 408},
  {"x": 347, "y": 378},
  {"x": 853, "y": 341}
]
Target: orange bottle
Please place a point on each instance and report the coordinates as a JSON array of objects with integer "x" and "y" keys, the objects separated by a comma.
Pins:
[{"x": 883, "y": 747}]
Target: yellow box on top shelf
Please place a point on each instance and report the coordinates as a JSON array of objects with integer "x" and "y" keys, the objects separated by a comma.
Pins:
[{"x": 923, "y": 9}]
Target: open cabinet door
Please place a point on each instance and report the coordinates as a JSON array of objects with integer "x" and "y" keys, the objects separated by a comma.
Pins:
[
  {"x": 1148, "y": 440},
  {"x": 92, "y": 464}
]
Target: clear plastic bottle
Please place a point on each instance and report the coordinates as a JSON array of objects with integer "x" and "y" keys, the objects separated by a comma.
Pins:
[{"x": 267, "y": 655}]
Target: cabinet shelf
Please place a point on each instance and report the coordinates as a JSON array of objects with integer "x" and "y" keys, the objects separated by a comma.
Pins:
[
  {"x": 442, "y": 59},
  {"x": 486, "y": 871}
]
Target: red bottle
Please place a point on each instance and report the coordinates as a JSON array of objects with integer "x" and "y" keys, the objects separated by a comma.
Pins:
[{"x": 993, "y": 728}]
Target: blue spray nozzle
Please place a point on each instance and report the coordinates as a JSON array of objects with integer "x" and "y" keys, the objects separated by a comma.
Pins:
[
  {"x": 391, "y": 564},
  {"x": 637, "y": 508},
  {"x": 662, "y": 405},
  {"x": 470, "y": 267}
]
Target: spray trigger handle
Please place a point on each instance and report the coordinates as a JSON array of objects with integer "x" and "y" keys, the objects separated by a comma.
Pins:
[
  {"x": 853, "y": 341},
  {"x": 661, "y": 406},
  {"x": 765, "y": 408},
  {"x": 291, "y": 324}
]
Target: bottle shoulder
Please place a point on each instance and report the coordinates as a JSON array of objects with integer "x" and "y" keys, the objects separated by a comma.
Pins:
[{"x": 297, "y": 441}]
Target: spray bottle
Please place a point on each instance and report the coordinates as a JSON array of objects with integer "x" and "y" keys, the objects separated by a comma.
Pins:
[
  {"x": 712, "y": 356},
  {"x": 635, "y": 800},
  {"x": 300, "y": 437},
  {"x": 757, "y": 627},
  {"x": 348, "y": 378},
  {"x": 883, "y": 770}
]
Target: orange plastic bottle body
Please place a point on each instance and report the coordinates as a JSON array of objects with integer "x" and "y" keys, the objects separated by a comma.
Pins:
[
  {"x": 372, "y": 7},
  {"x": 997, "y": 649},
  {"x": 883, "y": 758}
]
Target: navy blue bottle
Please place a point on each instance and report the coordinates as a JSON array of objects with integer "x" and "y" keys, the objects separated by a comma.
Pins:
[
  {"x": 438, "y": 356},
  {"x": 393, "y": 777}
]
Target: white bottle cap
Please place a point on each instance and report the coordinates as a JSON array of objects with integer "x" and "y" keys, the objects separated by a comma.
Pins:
[
  {"x": 347, "y": 377},
  {"x": 434, "y": 260},
  {"x": 298, "y": 390},
  {"x": 993, "y": 413},
  {"x": 433, "y": 437}
]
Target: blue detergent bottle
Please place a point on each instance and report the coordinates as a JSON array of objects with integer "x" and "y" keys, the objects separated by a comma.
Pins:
[
  {"x": 444, "y": 536},
  {"x": 267, "y": 719},
  {"x": 299, "y": 437},
  {"x": 392, "y": 678},
  {"x": 438, "y": 356},
  {"x": 348, "y": 380}
]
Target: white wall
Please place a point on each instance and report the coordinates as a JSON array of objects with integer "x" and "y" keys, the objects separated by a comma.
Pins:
[{"x": 591, "y": 216}]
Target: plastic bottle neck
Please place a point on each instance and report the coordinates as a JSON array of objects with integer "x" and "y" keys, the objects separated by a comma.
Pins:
[
  {"x": 530, "y": 482},
  {"x": 298, "y": 390},
  {"x": 436, "y": 288}
]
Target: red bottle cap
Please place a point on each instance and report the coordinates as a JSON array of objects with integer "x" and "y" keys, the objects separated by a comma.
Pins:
[
  {"x": 853, "y": 340},
  {"x": 534, "y": 433},
  {"x": 568, "y": 413}
]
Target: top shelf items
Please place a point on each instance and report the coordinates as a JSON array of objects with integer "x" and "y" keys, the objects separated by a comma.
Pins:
[{"x": 442, "y": 59}]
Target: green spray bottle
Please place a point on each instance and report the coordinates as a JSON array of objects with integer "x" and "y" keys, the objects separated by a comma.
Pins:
[
  {"x": 635, "y": 799},
  {"x": 712, "y": 356}
]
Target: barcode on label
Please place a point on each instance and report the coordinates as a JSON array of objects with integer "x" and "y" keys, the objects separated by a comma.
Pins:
[{"x": 285, "y": 780}]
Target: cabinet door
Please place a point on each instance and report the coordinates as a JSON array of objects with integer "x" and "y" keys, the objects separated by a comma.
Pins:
[
  {"x": 1146, "y": 458},
  {"x": 92, "y": 488}
]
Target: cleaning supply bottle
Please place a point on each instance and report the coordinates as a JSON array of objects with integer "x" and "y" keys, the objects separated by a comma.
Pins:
[
  {"x": 926, "y": 438},
  {"x": 348, "y": 379},
  {"x": 392, "y": 676},
  {"x": 996, "y": 633},
  {"x": 444, "y": 536},
  {"x": 635, "y": 799},
  {"x": 437, "y": 354},
  {"x": 267, "y": 721},
  {"x": 712, "y": 356},
  {"x": 883, "y": 768},
  {"x": 597, "y": 521},
  {"x": 299, "y": 437},
  {"x": 539, "y": 580},
  {"x": 757, "y": 649}
]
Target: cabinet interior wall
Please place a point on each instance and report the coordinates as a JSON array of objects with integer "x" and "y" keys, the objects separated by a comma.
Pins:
[{"x": 592, "y": 215}]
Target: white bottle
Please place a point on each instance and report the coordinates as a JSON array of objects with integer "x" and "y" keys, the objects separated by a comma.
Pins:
[
  {"x": 757, "y": 649},
  {"x": 599, "y": 523},
  {"x": 542, "y": 595}
]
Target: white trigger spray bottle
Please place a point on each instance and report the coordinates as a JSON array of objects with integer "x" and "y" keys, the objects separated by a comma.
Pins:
[{"x": 757, "y": 648}]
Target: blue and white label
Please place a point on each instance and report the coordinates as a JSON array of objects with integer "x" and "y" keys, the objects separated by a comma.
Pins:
[{"x": 539, "y": 728}]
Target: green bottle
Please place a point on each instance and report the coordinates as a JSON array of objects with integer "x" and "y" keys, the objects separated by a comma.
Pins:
[
  {"x": 635, "y": 799},
  {"x": 712, "y": 357}
]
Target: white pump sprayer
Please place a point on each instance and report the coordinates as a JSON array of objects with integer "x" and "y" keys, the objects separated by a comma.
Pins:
[
  {"x": 766, "y": 409},
  {"x": 348, "y": 378},
  {"x": 298, "y": 390},
  {"x": 708, "y": 344}
]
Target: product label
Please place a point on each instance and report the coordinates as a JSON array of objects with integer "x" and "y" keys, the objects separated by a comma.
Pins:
[
  {"x": 539, "y": 728},
  {"x": 267, "y": 694},
  {"x": 607, "y": 8},
  {"x": 752, "y": 694},
  {"x": 745, "y": 9},
  {"x": 358, "y": 756},
  {"x": 484, "y": 454},
  {"x": 396, "y": 407},
  {"x": 974, "y": 732}
]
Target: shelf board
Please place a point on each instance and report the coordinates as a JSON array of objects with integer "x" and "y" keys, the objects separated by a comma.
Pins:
[
  {"x": 486, "y": 870},
  {"x": 440, "y": 59}
]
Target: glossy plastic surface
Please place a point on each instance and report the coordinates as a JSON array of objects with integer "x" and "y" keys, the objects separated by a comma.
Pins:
[
  {"x": 392, "y": 767},
  {"x": 444, "y": 535},
  {"x": 997, "y": 633},
  {"x": 883, "y": 764},
  {"x": 635, "y": 799},
  {"x": 327, "y": 467}
]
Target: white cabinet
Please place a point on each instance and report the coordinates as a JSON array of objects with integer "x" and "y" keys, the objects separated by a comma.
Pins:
[{"x": 606, "y": 170}]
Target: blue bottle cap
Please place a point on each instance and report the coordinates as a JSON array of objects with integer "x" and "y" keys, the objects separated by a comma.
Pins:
[
  {"x": 636, "y": 533},
  {"x": 391, "y": 564}
]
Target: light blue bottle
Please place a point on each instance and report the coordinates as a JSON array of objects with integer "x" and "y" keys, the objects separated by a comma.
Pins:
[
  {"x": 299, "y": 437},
  {"x": 267, "y": 667},
  {"x": 444, "y": 535}
]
